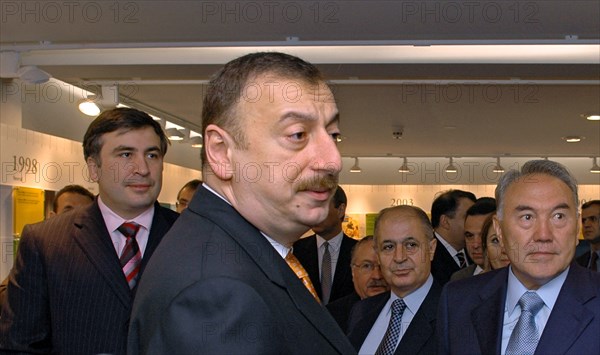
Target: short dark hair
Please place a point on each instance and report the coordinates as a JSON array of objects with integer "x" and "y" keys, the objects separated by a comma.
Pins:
[
  {"x": 546, "y": 167},
  {"x": 116, "y": 119},
  {"x": 482, "y": 205},
  {"x": 590, "y": 204},
  {"x": 192, "y": 184},
  {"x": 75, "y": 189},
  {"x": 362, "y": 241},
  {"x": 416, "y": 211},
  {"x": 447, "y": 203},
  {"x": 339, "y": 197},
  {"x": 227, "y": 86}
]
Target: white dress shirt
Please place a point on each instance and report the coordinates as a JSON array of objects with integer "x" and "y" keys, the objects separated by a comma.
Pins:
[
  {"x": 413, "y": 302},
  {"x": 335, "y": 244},
  {"x": 113, "y": 221}
]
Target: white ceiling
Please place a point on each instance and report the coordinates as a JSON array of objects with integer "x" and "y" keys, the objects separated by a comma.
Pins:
[{"x": 472, "y": 80}]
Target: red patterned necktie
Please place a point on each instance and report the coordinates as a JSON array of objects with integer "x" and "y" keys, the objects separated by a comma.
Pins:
[{"x": 131, "y": 257}]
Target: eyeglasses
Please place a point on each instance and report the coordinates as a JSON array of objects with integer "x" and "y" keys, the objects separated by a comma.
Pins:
[{"x": 366, "y": 267}]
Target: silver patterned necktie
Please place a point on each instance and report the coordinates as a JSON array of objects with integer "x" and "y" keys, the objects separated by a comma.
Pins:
[
  {"x": 525, "y": 336},
  {"x": 388, "y": 344},
  {"x": 326, "y": 275}
]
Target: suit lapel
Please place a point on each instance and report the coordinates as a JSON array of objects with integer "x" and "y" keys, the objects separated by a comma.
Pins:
[
  {"x": 160, "y": 226},
  {"x": 93, "y": 238},
  {"x": 569, "y": 317},
  {"x": 272, "y": 264},
  {"x": 422, "y": 327},
  {"x": 312, "y": 266},
  {"x": 341, "y": 267},
  {"x": 489, "y": 314},
  {"x": 370, "y": 310}
]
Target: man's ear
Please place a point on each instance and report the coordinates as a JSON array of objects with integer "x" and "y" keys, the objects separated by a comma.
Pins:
[
  {"x": 218, "y": 145},
  {"x": 498, "y": 231},
  {"x": 432, "y": 246},
  {"x": 93, "y": 168},
  {"x": 341, "y": 211},
  {"x": 445, "y": 222}
]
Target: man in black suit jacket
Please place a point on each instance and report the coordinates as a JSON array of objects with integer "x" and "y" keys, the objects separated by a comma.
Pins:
[
  {"x": 405, "y": 246},
  {"x": 219, "y": 283},
  {"x": 367, "y": 279},
  {"x": 310, "y": 251},
  {"x": 448, "y": 213},
  {"x": 67, "y": 292},
  {"x": 537, "y": 221},
  {"x": 590, "y": 222}
]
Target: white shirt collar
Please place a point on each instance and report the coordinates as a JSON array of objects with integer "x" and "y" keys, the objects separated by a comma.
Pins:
[
  {"x": 114, "y": 221},
  {"x": 548, "y": 292},
  {"x": 334, "y": 243},
  {"x": 414, "y": 299},
  {"x": 446, "y": 245}
]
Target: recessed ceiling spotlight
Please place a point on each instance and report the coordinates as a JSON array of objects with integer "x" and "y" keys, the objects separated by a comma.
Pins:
[
  {"x": 592, "y": 117},
  {"x": 573, "y": 139}
]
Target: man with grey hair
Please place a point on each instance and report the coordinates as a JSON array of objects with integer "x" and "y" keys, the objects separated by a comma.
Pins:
[
  {"x": 403, "y": 320},
  {"x": 543, "y": 303}
]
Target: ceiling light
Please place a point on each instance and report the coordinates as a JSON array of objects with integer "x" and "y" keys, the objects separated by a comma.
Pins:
[
  {"x": 404, "y": 168},
  {"x": 196, "y": 142},
  {"x": 593, "y": 117},
  {"x": 33, "y": 75},
  {"x": 355, "y": 168},
  {"x": 498, "y": 168},
  {"x": 451, "y": 168},
  {"x": 89, "y": 107},
  {"x": 573, "y": 139},
  {"x": 595, "y": 168},
  {"x": 174, "y": 134}
]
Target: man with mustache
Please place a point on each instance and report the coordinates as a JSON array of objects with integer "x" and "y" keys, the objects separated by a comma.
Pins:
[
  {"x": 590, "y": 222},
  {"x": 74, "y": 279},
  {"x": 326, "y": 254},
  {"x": 543, "y": 303},
  {"x": 366, "y": 278},
  {"x": 224, "y": 280},
  {"x": 401, "y": 321}
]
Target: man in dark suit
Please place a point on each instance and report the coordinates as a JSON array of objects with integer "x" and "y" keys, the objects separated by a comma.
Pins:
[
  {"x": 543, "y": 303},
  {"x": 448, "y": 213},
  {"x": 476, "y": 217},
  {"x": 68, "y": 291},
  {"x": 366, "y": 277},
  {"x": 590, "y": 222},
  {"x": 329, "y": 251},
  {"x": 224, "y": 281},
  {"x": 405, "y": 246}
]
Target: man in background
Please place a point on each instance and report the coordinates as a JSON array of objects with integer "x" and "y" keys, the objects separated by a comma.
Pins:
[
  {"x": 75, "y": 275},
  {"x": 66, "y": 199},
  {"x": 326, "y": 254},
  {"x": 590, "y": 222},
  {"x": 402, "y": 320},
  {"x": 366, "y": 277},
  {"x": 476, "y": 216},
  {"x": 184, "y": 196},
  {"x": 448, "y": 213},
  {"x": 543, "y": 303}
]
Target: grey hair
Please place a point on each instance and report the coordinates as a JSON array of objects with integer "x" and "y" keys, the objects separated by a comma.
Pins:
[{"x": 547, "y": 167}]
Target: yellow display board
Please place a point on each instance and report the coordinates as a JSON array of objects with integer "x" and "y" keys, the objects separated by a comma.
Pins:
[{"x": 28, "y": 207}]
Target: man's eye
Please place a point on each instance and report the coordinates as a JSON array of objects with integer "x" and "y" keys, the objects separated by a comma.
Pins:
[
  {"x": 337, "y": 137},
  {"x": 125, "y": 155},
  {"x": 298, "y": 136}
]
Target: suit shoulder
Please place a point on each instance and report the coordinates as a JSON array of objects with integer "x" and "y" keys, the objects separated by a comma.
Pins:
[
  {"x": 170, "y": 215},
  {"x": 472, "y": 283}
]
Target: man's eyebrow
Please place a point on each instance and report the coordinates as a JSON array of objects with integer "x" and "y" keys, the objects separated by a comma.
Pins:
[{"x": 520, "y": 208}]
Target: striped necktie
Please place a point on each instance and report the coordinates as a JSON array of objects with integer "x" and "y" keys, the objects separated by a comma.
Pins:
[
  {"x": 326, "y": 274},
  {"x": 301, "y": 273},
  {"x": 131, "y": 257}
]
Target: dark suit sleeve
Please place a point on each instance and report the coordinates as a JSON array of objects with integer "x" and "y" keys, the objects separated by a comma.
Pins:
[
  {"x": 216, "y": 316},
  {"x": 442, "y": 324},
  {"x": 25, "y": 320}
]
